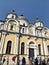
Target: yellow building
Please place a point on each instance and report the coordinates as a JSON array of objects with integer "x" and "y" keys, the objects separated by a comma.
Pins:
[{"x": 19, "y": 37}]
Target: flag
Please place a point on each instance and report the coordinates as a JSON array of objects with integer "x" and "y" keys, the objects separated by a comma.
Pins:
[{"x": 13, "y": 58}]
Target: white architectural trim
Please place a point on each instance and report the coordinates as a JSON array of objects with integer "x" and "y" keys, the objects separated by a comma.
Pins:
[
  {"x": 41, "y": 49},
  {"x": 17, "y": 38},
  {"x": 44, "y": 43},
  {"x": 15, "y": 46},
  {"x": 2, "y": 40},
  {"x": 17, "y": 43},
  {"x": 14, "y": 20}
]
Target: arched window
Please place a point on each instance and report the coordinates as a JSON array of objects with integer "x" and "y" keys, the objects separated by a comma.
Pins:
[
  {"x": 22, "y": 30},
  {"x": 12, "y": 16},
  {"x": 22, "y": 48},
  {"x": 24, "y": 24},
  {"x": 11, "y": 28},
  {"x": 8, "y": 48},
  {"x": 39, "y": 48}
]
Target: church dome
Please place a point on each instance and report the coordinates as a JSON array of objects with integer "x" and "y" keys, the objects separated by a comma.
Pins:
[
  {"x": 12, "y": 15},
  {"x": 21, "y": 17},
  {"x": 38, "y": 23}
]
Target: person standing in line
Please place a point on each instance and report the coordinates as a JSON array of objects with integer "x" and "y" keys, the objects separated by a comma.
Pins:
[
  {"x": 48, "y": 61},
  {"x": 36, "y": 61},
  {"x": 23, "y": 61},
  {"x": 43, "y": 62},
  {"x": 40, "y": 61},
  {"x": 18, "y": 63},
  {"x": 30, "y": 61},
  {"x": 0, "y": 61}
]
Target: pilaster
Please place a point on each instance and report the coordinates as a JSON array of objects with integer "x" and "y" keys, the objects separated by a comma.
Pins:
[
  {"x": 44, "y": 43},
  {"x": 2, "y": 42}
]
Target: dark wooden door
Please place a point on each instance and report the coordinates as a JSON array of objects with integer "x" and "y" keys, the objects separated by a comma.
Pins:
[{"x": 31, "y": 52}]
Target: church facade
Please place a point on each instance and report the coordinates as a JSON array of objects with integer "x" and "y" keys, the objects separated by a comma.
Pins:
[{"x": 20, "y": 38}]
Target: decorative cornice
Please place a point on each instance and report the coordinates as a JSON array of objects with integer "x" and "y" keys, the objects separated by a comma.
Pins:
[{"x": 38, "y": 37}]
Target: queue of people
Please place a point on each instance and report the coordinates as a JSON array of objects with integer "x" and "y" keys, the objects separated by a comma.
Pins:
[
  {"x": 36, "y": 61},
  {"x": 32, "y": 61}
]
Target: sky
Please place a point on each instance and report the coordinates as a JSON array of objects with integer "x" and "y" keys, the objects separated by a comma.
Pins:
[{"x": 31, "y": 9}]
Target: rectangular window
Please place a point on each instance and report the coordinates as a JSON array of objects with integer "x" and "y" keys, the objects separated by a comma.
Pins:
[{"x": 38, "y": 33}]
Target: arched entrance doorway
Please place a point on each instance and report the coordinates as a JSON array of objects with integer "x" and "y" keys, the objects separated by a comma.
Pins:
[{"x": 31, "y": 49}]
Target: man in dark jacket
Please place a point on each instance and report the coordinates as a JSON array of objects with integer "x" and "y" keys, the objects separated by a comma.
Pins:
[
  {"x": 23, "y": 61},
  {"x": 36, "y": 61}
]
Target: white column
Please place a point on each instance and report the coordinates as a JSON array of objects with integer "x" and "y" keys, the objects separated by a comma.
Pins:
[
  {"x": 28, "y": 50},
  {"x": 33, "y": 31},
  {"x": 16, "y": 45},
  {"x": 27, "y": 58},
  {"x": 27, "y": 30},
  {"x": 35, "y": 52},
  {"x": 0, "y": 47},
  {"x": 25, "y": 49},
  {"x": 41, "y": 49},
  {"x": 2, "y": 41},
  {"x": 44, "y": 47}
]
